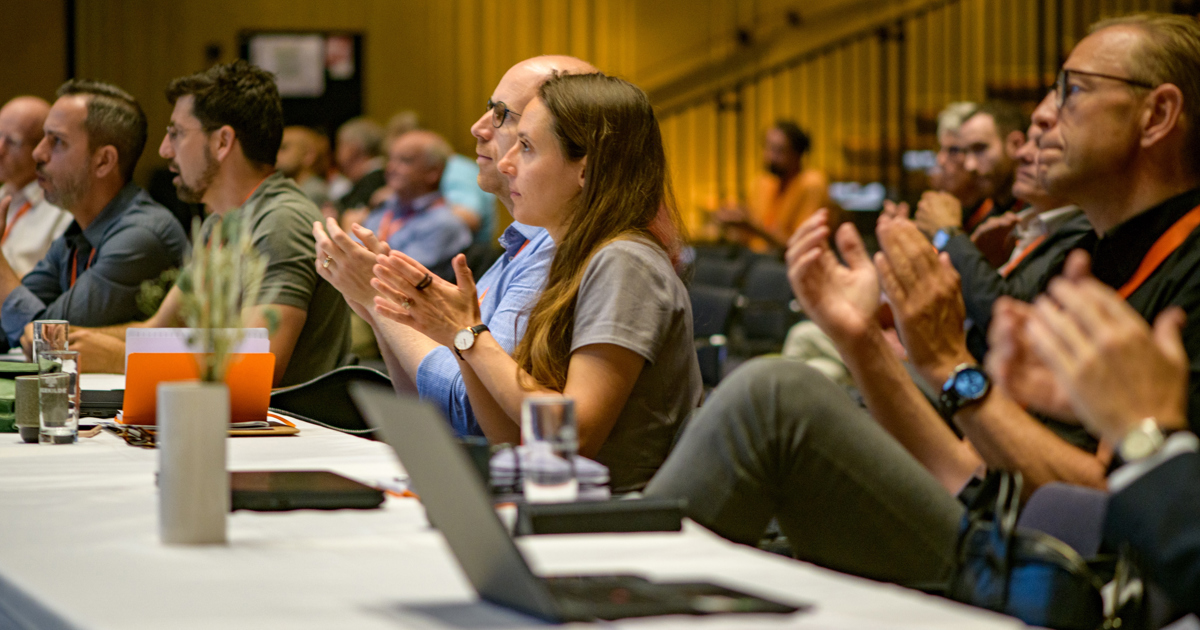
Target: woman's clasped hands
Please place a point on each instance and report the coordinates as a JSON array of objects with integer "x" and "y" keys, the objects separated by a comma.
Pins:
[{"x": 411, "y": 295}]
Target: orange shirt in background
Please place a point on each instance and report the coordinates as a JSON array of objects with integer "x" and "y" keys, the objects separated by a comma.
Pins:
[{"x": 781, "y": 212}]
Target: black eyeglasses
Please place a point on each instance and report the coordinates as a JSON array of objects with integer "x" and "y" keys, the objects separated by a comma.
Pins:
[
  {"x": 1064, "y": 76},
  {"x": 500, "y": 111}
]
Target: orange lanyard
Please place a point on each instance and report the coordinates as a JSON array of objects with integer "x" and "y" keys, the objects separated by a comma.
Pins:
[
  {"x": 253, "y": 190},
  {"x": 20, "y": 213},
  {"x": 485, "y": 290},
  {"x": 389, "y": 226},
  {"x": 75, "y": 262},
  {"x": 1012, "y": 264},
  {"x": 979, "y": 215},
  {"x": 1162, "y": 248}
]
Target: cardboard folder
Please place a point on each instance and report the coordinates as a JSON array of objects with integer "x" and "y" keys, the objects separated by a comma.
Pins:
[{"x": 249, "y": 379}]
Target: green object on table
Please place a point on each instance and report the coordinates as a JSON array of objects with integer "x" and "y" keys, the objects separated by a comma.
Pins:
[{"x": 8, "y": 392}]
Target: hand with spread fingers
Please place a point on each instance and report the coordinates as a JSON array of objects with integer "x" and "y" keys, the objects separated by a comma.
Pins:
[
  {"x": 1116, "y": 370},
  {"x": 926, "y": 299},
  {"x": 937, "y": 210},
  {"x": 893, "y": 210},
  {"x": 1016, "y": 369},
  {"x": 411, "y": 295},
  {"x": 347, "y": 265},
  {"x": 841, "y": 299}
]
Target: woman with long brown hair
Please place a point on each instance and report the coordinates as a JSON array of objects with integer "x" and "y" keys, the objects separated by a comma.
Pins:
[{"x": 613, "y": 326}]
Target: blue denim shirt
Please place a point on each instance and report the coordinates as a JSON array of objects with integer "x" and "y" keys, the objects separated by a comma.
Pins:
[{"x": 507, "y": 292}]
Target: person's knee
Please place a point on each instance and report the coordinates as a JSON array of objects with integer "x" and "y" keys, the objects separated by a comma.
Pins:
[{"x": 775, "y": 394}]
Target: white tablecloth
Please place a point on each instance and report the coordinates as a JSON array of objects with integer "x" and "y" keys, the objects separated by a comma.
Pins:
[{"x": 79, "y": 548}]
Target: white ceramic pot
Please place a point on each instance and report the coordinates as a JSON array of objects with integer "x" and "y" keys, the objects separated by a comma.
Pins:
[{"x": 193, "y": 484}]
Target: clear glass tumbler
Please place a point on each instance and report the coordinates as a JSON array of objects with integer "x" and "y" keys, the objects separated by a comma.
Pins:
[
  {"x": 49, "y": 334},
  {"x": 59, "y": 418},
  {"x": 551, "y": 439}
]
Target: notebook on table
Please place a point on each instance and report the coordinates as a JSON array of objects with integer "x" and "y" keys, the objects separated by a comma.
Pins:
[{"x": 459, "y": 505}]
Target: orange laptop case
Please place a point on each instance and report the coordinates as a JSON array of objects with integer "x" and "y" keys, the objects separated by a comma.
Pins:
[{"x": 249, "y": 379}]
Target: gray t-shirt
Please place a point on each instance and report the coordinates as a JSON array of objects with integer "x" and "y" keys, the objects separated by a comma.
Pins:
[
  {"x": 631, "y": 297},
  {"x": 281, "y": 219}
]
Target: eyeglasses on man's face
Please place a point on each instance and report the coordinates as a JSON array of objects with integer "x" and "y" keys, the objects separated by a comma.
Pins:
[
  {"x": 500, "y": 111},
  {"x": 1062, "y": 84}
]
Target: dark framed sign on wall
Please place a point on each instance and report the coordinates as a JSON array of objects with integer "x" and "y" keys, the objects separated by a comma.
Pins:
[{"x": 320, "y": 74}]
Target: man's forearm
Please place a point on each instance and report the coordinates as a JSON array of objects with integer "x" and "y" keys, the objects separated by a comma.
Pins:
[
  {"x": 1007, "y": 437},
  {"x": 896, "y": 403}
]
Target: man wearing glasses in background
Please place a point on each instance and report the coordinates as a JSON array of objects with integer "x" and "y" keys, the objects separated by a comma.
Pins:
[
  {"x": 875, "y": 494},
  {"x": 506, "y": 290}
]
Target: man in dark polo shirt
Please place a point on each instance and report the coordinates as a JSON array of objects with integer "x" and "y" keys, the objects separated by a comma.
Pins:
[
  {"x": 1126, "y": 148},
  {"x": 222, "y": 142},
  {"x": 91, "y": 276},
  {"x": 875, "y": 494}
]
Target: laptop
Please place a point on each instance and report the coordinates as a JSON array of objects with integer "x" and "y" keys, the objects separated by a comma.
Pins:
[
  {"x": 249, "y": 378},
  {"x": 459, "y": 505}
]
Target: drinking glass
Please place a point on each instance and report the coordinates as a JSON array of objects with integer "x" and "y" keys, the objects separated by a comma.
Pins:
[
  {"x": 59, "y": 419},
  {"x": 551, "y": 438},
  {"x": 49, "y": 334}
]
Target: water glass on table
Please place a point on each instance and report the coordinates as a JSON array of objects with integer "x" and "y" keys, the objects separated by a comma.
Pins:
[
  {"x": 549, "y": 432},
  {"x": 49, "y": 334},
  {"x": 58, "y": 396}
]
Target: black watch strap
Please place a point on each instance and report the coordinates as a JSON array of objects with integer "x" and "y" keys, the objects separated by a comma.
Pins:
[{"x": 477, "y": 330}]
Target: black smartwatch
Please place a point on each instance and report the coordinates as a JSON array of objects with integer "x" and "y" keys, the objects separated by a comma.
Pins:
[{"x": 967, "y": 385}]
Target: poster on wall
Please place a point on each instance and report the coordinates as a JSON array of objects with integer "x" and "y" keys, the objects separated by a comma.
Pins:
[{"x": 298, "y": 62}]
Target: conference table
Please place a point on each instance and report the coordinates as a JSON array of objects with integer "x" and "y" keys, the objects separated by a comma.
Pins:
[{"x": 79, "y": 548}]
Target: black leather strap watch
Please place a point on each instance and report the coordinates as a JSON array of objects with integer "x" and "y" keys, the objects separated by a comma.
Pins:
[
  {"x": 465, "y": 338},
  {"x": 967, "y": 385}
]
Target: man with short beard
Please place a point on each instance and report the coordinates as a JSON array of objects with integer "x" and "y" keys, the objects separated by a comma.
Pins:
[
  {"x": 223, "y": 140},
  {"x": 92, "y": 275}
]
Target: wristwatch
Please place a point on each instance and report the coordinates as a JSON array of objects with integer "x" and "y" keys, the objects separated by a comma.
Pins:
[
  {"x": 465, "y": 338},
  {"x": 943, "y": 236},
  {"x": 967, "y": 385},
  {"x": 1143, "y": 441}
]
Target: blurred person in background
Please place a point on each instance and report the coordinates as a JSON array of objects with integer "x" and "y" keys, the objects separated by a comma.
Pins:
[
  {"x": 32, "y": 222},
  {"x": 300, "y": 159}
]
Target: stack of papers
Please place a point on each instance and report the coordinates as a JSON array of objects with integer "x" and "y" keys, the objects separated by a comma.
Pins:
[{"x": 507, "y": 469}]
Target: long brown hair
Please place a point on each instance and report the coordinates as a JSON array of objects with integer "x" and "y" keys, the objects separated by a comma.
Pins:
[{"x": 626, "y": 193}]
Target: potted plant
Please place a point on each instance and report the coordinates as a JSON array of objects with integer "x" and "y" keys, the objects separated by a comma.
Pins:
[{"x": 220, "y": 284}]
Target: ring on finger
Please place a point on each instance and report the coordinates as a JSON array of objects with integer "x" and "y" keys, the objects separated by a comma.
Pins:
[
  {"x": 426, "y": 281},
  {"x": 406, "y": 304},
  {"x": 325, "y": 264}
]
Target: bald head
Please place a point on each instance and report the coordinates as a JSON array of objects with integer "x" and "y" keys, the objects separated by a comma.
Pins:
[
  {"x": 21, "y": 121},
  {"x": 516, "y": 89}
]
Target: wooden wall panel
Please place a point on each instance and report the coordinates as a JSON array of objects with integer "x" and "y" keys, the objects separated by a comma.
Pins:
[{"x": 442, "y": 58}]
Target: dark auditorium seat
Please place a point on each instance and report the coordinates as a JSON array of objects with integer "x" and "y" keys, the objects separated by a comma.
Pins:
[
  {"x": 769, "y": 309},
  {"x": 712, "y": 315}
]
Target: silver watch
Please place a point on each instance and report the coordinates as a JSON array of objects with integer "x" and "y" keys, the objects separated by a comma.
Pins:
[{"x": 1143, "y": 441}]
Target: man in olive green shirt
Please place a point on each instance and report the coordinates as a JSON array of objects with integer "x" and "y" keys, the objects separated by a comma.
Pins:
[{"x": 224, "y": 135}]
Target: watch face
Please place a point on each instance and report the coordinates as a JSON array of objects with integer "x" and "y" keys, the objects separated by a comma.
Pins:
[
  {"x": 464, "y": 339},
  {"x": 970, "y": 384}
]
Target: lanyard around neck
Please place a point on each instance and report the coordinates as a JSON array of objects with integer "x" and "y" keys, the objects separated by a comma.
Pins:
[{"x": 1162, "y": 248}]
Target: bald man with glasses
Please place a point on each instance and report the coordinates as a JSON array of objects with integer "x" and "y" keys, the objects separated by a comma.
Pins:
[{"x": 506, "y": 291}]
